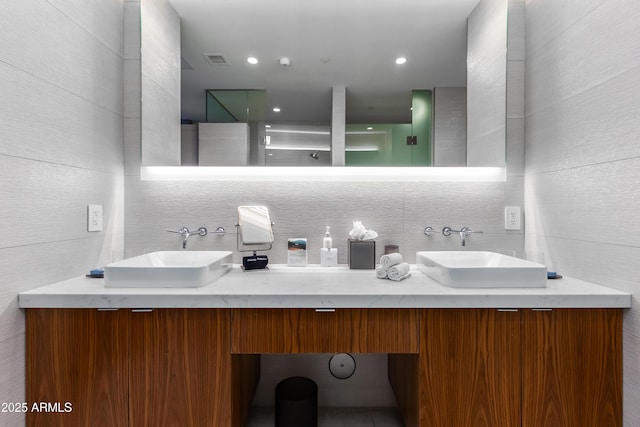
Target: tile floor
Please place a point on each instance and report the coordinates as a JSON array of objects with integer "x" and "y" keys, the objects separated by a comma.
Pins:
[{"x": 335, "y": 417}]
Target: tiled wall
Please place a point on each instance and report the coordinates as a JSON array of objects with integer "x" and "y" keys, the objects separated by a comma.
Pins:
[
  {"x": 160, "y": 85},
  {"x": 450, "y": 126},
  {"x": 582, "y": 151},
  {"x": 486, "y": 80},
  {"x": 61, "y": 148}
]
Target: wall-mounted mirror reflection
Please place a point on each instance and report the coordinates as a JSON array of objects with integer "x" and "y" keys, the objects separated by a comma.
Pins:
[{"x": 294, "y": 53}]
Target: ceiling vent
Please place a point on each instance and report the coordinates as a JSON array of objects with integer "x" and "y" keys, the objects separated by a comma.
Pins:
[{"x": 216, "y": 59}]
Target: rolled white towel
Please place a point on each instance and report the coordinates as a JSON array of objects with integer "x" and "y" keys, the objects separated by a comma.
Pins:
[
  {"x": 390, "y": 260},
  {"x": 398, "y": 270},
  {"x": 381, "y": 272},
  {"x": 401, "y": 277}
]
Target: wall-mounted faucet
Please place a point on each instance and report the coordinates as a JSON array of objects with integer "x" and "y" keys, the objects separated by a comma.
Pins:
[
  {"x": 185, "y": 233},
  {"x": 464, "y": 233}
]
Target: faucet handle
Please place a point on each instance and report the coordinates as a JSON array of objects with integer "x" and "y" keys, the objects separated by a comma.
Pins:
[
  {"x": 448, "y": 230},
  {"x": 428, "y": 231},
  {"x": 466, "y": 231}
]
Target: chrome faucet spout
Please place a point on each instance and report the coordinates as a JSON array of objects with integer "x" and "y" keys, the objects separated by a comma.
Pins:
[
  {"x": 185, "y": 233},
  {"x": 464, "y": 233}
]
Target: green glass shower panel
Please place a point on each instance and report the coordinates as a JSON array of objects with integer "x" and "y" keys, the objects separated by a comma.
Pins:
[
  {"x": 216, "y": 112},
  {"x": 401, "y": 153},
  {"x": 231, "y": 106},
  {"x": 367, "y": 145},
  {"x": 382, "y": 145},
  {"x": 422, "y": 125}
]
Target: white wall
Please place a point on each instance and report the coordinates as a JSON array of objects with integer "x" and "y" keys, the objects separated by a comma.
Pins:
[
  {"x": 582, "y": 151},
  {"x": 160, "y": 88},
  {"x": 486, "y": 83},
  {"x": 61, "y": 127},
  {"x": 450, "y": 126}
]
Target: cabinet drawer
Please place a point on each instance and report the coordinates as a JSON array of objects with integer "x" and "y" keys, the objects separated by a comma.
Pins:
[{"x": 311, "y": 331}]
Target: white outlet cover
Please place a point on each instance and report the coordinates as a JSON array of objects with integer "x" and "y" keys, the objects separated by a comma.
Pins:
[
  {"x": 94, "y": 218},
  {"x": 512, "y": 218}
]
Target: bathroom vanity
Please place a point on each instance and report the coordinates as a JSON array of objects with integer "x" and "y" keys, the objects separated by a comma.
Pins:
[{"x": 457, "y": 357}]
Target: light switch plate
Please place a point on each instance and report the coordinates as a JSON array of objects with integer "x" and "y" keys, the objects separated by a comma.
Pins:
[
  {"x": 94, "y": 218},
  {"x": 512, "y": 218}
]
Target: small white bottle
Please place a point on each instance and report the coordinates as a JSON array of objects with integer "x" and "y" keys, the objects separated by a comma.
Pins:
[
  {"x": 327, "y": 242},
  {"x": 328, "y": 254}
]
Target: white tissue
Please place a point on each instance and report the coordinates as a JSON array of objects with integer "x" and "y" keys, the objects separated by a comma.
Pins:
[
  {"x": 390, "y": 260},
  {"x": 359, "y": 232},
  {"x": 396, "y": 272}
]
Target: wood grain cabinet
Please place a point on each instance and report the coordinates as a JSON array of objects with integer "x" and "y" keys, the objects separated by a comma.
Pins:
[
  {"x": 325, "y": 331},
  {"x": 180, "y": 369},
  {"x": 469, "y": 368},
  {"x": 164, "y": 367},
  {"x": 529, "y": 368},
  {"x": 572, "y": 368},
  {"x": 448, "y": 367},
  {"x": 79, "y": 356}
]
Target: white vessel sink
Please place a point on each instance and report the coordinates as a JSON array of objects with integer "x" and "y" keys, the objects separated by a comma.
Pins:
[
  {"x": 469, "y": 269},
  {"x": 168, "y": 269}
]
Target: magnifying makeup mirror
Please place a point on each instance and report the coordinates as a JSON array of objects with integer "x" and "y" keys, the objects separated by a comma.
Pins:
[{"x": 254, "y": 234}]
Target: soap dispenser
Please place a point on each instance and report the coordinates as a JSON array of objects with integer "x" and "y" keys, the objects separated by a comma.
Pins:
[{"x": 328, "y": 254}]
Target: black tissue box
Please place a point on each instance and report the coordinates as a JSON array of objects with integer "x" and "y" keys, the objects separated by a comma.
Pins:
[{"x": 362, "y": 254}]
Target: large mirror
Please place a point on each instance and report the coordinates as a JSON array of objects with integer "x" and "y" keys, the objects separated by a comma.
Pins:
[{"x": 445, "y": 106}]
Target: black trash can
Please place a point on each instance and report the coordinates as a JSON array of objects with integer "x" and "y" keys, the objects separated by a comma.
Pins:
[{"x": 297, "y": 403}]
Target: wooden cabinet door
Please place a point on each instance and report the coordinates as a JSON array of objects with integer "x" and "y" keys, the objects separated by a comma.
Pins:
[
  {"x": 79, "y": 356},
  {"x": 181, "y": 370},
  {"x": 572, "y": 368},
  {"x": 469, "y": 368},
  {"x": 319, "y": 331}
]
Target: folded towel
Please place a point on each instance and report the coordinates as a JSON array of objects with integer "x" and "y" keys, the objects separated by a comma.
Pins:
[
  {"x": 381, "y": 272},
  {"x": 390, "y": 260},
  {"x": 398, "y": 270},
  {"x": 397, "y": 279}
]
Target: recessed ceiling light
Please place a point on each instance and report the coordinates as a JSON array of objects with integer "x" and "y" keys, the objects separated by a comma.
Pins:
[
  {"x": 276, "y": 109},
  {"x": 252, "y": 60},
  {"x": 401, "y": 60},
  {"x": 267, "y": 126}
]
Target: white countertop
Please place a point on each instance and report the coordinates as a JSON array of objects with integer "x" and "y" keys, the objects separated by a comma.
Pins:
[{"x": 320, "y": 287}]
